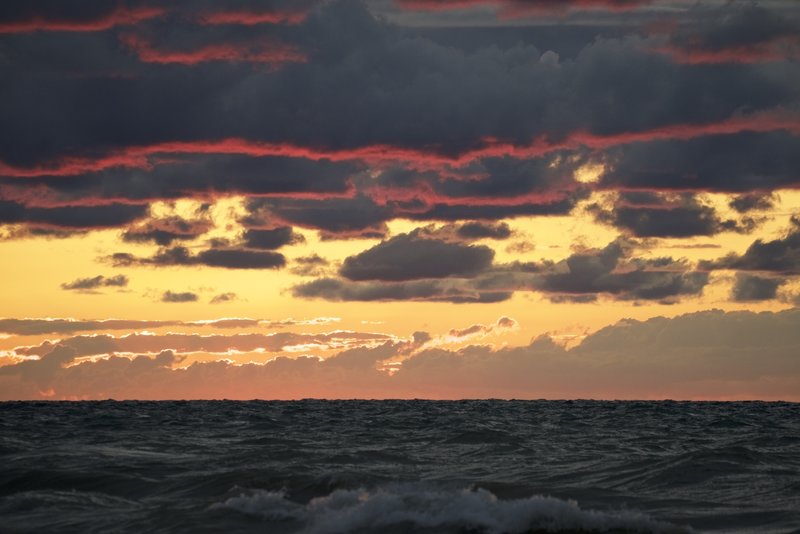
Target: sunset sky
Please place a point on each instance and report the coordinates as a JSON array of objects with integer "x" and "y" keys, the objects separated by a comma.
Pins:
[{"x": 399, "y": 199}]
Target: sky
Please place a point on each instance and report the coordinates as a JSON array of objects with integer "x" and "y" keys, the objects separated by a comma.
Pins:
[{"x": 399, "y": 199}]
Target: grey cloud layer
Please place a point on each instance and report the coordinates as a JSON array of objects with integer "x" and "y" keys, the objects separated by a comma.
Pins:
[{"x": 701, "y": 355}]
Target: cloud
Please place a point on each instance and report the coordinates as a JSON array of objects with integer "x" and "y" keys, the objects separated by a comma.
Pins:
[
  {"x": 170, "y": 296},
  {"x": 100, "y": 344},
  {"x": 736, "y": 163},
  {"x": 612, "y": 271},
  {"x": 271, "y": 239},
  {"x": 313, "y": 265},
  {"x": 703, "y": 355},
  {"x": 509, "y": 9},
  {"x": 72, "y": 217},
  {"x": 90, "y": 17},
  {"x": 749, "y": 287},
  {"x": 499, "y": 136},
  {"x": 656, "y": 215},
  {"x": 224, "y": 297},
  {"x": 752, "y": 202},
  {"x": 481, "y": 230},
  {"x": 412, "y": 257},
  {"x": 262, "y": 51},
  {"x": 780, "y": 256},
  {"x": 96, "y": 282},
  {"x": 340, "y": 217},
  {"x": 480, "y": 330},
  {"x": 456, "y": 290},
  {"x": 33, "y": 327},
  {"x": 735, "y": 34},
  {"x": 227, "y": 258},
  {"x": 164, "y": 231}
]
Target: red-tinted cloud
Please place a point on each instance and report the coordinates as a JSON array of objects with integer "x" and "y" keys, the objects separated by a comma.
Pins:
[
  {"x": 779, "y": 49},
  {"x": 262, "y": 52},
  {"x": 523, "y": 8},
  {"x": 121, "y": 16},
  {"x": 139, "y": 156},
  {"x": 251, "y": 18}
]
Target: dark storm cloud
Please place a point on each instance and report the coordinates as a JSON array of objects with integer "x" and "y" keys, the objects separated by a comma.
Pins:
[
  {"x": 79, "y": 217},
  {"x": 654, "y": 215},
  {"x": 171, "y": 296},
  {"x": 411, "y": 257},
  {"x": 228, "y": 258},
  {"x": 271, "y": 239},
  {"x": 518, "y": 95},
  {"x": 749, "y": 287},
  {"x": 96, "y": 282}
]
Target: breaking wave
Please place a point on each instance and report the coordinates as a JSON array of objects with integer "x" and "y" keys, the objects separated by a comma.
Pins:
[{"x": 421, "y": 508}]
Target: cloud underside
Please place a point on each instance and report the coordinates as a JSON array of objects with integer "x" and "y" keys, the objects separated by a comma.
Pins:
[
  {"x": 438, "y": 132},
  {"x": 701, "y": 355}
]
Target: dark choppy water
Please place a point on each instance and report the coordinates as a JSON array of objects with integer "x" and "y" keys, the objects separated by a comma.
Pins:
[{"x": 399, "y": 466}]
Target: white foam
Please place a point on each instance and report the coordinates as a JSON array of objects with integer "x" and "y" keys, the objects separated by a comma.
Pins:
[{"x": 415, "y": 506}]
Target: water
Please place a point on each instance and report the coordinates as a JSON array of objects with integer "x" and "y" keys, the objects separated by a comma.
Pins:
[{"x": 399, "y": 466}]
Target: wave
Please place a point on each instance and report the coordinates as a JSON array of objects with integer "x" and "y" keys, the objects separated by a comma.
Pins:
[{"x": 417, "y": 507}]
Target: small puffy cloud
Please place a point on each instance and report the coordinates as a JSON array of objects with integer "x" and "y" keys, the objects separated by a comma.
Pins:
[
  {"x": 89, "y": 285},
  {"x": 165, "y": 230},
  {"x": 227, "y": 258},
  {"x": 271, "y": 239},
  {"x": 480, "y": 330},
  {"x": 483, "y": 230},
  {"x": 456, "y": 290},
  {"x": 312, "y": 265},
  {"x": 411, "y": 257},
  {"x": 223, "y": 297},
  {"x": 187, "y": 296}
]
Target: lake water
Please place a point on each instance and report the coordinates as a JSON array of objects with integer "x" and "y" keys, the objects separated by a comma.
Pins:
[{"x": 399, "y": 466}]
